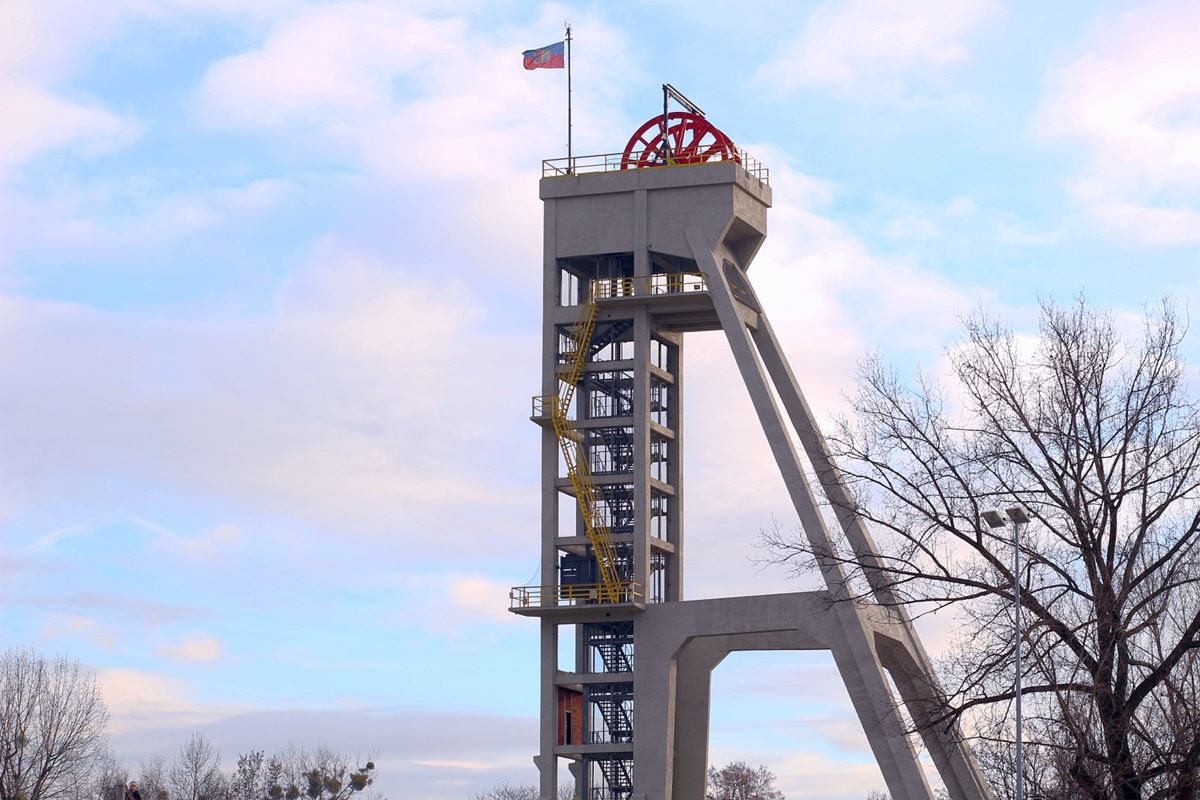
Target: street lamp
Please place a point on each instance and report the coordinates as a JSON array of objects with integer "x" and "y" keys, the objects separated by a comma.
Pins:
[{"x": 1019, "y": 518}]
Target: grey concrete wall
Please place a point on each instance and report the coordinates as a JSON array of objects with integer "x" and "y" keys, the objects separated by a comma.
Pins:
[{"x": 605, "y": 213}]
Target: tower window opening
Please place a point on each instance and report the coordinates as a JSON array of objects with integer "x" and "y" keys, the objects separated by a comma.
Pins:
[
  {"x": 624, "y": 561},
  {"x": 610, "y": 394},
  {"x": 610, "y": 449},
  {"x": 660, "y": 401},
  {"x": 615, "y": 507},
  {"x": 662, "y": 355},
  {"x": 658, "y": 576},
  {"x": 660, "y": 515},
  {"x": 607, "y": 265},
  {"x": 660, "y": 453},
  {"x": 609, "y": 646},
  {"x": 610, "y": 712},
  {"x": 613, "y": 351},
  {"x": 571, "y": 287},
  {"x": 605, "y": 459},
  {"x": 609, "y": 777},
  {"x": 568, "y": 345},
  {"x": 612, "y": 340}
]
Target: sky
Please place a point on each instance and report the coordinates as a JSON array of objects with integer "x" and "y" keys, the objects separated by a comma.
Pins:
[{"x": 269, "y": 325}]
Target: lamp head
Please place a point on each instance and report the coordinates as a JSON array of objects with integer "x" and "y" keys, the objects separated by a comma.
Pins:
[
  {"x": 993, "y": 519},
  {"x": 1017, "y": 515}
]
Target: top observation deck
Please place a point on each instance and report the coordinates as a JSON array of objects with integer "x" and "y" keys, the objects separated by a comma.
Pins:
[
  {"x": 677, "y": 150},
  {"x": 644, "y": 201}
]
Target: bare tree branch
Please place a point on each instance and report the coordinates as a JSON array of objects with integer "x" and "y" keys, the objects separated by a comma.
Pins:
[{"x": 1098, "y": 439}]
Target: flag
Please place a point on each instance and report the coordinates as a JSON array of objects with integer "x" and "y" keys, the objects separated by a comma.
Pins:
[{"x": 548, "y": 57}]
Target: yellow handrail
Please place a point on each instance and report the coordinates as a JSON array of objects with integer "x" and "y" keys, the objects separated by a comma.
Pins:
[
  {"x": 571, "y": 594},
  {"x": 657, "y": 284}
]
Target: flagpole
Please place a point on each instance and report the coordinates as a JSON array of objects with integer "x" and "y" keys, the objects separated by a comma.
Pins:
[{"x": 570, "y": 152}]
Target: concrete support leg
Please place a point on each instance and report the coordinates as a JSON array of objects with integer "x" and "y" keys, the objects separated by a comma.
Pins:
[
  {"x": 654, "y": 698},
  {"x": 547, "y": 762},
  {"x": 693, "y": 702},
  {"x": 922, "y": 698},
  {"x": 868, "y": 688}
]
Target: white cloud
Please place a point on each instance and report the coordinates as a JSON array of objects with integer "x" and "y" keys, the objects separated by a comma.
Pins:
[
  {"x": 877, "y": 50},
  {"x": 194, "y": 647},
  {"x": 42, "y": 45},
  {"x": 44, "y": 48},
  {"x": 51, "y": 39},
  {"x": 815, "y": 775},
  {"x": 136, "y": 698},
  {"x": 1147, "y": 223},
  {"x": 12, "y": 567},
  {"x": 1129, "y": 97},
  {"x": 480, "y": 600},
  {"x": 218, "y": 541},
  {"x": 398, "y": 92},
  {"x": 452, "y": 604},
  {"x": 130, "y": 609},
  {"x": 80, "y": 626},
  {"x": 327, "y": 67},
  {"x": 77, "y": 219},
  {"x": 473, "y": 766},
  {"x": 358, "y": 403},
  {"x": 37, "y": 121}
]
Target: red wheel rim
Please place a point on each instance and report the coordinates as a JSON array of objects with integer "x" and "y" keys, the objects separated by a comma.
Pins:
[{"x": 691, "y": 139}]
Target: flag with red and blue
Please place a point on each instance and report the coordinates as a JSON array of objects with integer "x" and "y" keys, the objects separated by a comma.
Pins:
[{"x": 552, "y": 56}]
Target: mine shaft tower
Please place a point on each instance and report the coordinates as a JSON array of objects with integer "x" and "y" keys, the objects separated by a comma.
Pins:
[{"x": 641, "y": 248}]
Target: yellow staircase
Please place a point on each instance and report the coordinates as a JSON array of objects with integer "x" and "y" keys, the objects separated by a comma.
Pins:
[{"x": 570, "y": 441}]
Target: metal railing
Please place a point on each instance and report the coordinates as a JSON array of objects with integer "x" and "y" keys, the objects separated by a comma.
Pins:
[
  {"x": 544, "y": 406},
  {"x": 605, "y": 736},
  {"x": 572, "y": 594},
  {"x": 615, "y": 162},
  {"x": 658, "y": 284}
]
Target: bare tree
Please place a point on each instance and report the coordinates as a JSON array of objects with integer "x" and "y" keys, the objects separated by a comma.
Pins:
[
  {"x": 1100, "y": 441},
  {"x": 257, "y": 777},
  {"x": 321, "y": 774},
  {"x": 249, "y": 780},
  {"x": 107, "y": 780},
  {"x": 196, "y": 774},
  {"x": 52, "y": 722},
  {"x": 153, "y": 779},
  {"x": 272, "y": 777},
  {"x": 739, "y": 781},
  {"x": 508, "y": 791}
]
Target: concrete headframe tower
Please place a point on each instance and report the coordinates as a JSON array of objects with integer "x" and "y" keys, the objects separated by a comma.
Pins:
[{"x": 642, "y": 248}]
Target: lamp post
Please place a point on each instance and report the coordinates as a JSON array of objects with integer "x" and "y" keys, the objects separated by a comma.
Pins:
[{"x": 1019, "y": 518}]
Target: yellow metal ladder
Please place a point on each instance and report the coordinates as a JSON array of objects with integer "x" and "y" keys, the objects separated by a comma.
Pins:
[{"x": 570, "y": 441}]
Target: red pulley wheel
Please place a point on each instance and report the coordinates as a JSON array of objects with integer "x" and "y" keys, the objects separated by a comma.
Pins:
[{"x": 690, "y": 139}]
